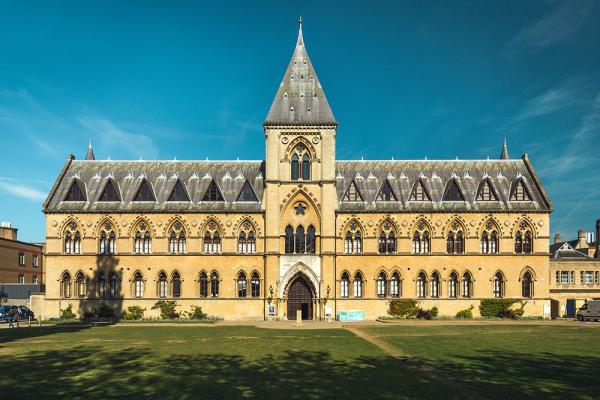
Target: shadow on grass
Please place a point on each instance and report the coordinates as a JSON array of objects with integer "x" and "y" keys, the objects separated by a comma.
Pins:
[
  {"x": 85, "y": 372},
  {"x": 9, "y": 335}
]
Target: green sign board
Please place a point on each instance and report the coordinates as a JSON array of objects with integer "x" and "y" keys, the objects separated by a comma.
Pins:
[{"x": 351, "y": 315}]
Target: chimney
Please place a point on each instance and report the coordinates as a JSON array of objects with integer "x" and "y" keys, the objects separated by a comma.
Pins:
[
  {"x": 581, "y": 242},
  {"x": 7, "y": 231},
  {"x": 557, "y": 238}
]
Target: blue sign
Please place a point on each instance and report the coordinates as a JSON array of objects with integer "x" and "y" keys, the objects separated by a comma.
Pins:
[
  {"x": 351, "y": 315},
  {"x": 271, "y": 310}
]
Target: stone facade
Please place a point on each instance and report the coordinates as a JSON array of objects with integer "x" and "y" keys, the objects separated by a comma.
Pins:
[
  {"x": 326, "y": 234},
  {"x": 20, "y": 262}
]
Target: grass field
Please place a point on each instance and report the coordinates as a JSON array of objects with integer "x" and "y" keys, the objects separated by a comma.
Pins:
[{"x": 185, "y": 362}]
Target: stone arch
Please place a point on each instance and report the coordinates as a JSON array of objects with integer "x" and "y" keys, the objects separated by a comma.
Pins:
[
  {"x": 292, "y": 197},
  {"x": 450, "y": 225},
  {"x": 295, "y": 142},
  {"x": 416, "y": 226},
  {"x": 297, "y": 270},
  {"x": 172, "y": 221},
  {"x": 528, "y": 223},
  {"x": 530, "y": 270},
  {"x": 496, "y": 273},
  {"x": 253, "y": 223},
  {"x": 137, "y": 221},
  {"x": 453, "y": 270},
  {"x": 207, "y": 226},
  {"x": 348, "y": 226},
  {"x": 101, "y": 225},
  {"x": 495, "y": 224},
  {"x": 62, "y": 229},
  {"x": 381, "y": 225}
]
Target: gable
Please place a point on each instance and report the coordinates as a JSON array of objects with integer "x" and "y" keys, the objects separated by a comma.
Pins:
[
  {"x": 110, "y": 192},
  {"x": 213, "y": 193},
  {"x": 352, "y": 193},
  {"x": 247, "y": 193},
  {"x": 520, "y": 192},
  {"x": 453, "y": 192},
  {"x": 486, "y": 192},
  {"x": 419, "y": 193},
  {"x": 386, "y": 193},
  {"x": 75, "y": 193},
  {"x": 179, "y": 193},
  {"x": 144, "y": 192}
]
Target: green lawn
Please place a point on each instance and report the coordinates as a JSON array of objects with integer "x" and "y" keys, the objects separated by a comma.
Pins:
[{"x": 185, "y": 362}]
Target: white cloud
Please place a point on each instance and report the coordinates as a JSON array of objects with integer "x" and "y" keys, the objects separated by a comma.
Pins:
[
  {"x": 19, "y": 189},
  {"x": 547, "y": 103},
  {"x": 556, "y": 26},
  {"x": 115, "y": 138}
]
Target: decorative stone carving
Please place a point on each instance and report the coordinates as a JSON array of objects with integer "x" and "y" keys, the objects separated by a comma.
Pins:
[
  {"x": 54, "y": 223},
  {"x": 228, "y": 223}
]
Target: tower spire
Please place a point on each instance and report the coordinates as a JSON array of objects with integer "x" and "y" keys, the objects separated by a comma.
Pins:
[
  {"x": 90, "y": 152},
  {"x": 300, "y": 41},
  {"x": 504, "y": 155}
]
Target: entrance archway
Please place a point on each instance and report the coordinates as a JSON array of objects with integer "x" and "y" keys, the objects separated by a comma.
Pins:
[{"x": 300, "y": 299}]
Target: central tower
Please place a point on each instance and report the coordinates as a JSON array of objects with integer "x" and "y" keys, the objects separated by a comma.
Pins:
[{"x": 300, "y": 194}]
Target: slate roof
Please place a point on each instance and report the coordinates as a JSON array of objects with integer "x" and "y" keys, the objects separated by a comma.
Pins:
[
  {"x": 369, "y": 176},
  {"x": 300, "y": 98},
  {"x": 565, "y": 251},
  {"x": 196, "y": 176}
]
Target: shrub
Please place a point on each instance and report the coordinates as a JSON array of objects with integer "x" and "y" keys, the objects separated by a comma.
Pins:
[
  {"x": 104, "y": 311},
  {"x": 196, "y": 313},
  {"x": 88, "y": 315},
  {"x": 501, "y": 308},
  {"x": 167, "y": 309},
  {"x": 67, "y": 313},
  {"x": 435, "y": 312},
  {"x": 465, "y": 314},
  {"x": 134, "y": 313},
  {"x": 423, "y": 314},
  {"x": 403, "y": 308}
]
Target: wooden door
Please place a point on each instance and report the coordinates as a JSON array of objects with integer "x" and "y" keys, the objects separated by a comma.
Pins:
[{"x": 299, "y": 299}]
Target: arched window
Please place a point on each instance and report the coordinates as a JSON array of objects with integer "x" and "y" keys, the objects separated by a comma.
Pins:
[
  {"x": 214, "y": 284},
  {"x": 295, "y": 173},
  {"x": 101, "y": 285},
  {"x": 357, "y": 249},
  {"x": 348, "y": 243},
  {"x": 519, "y": 243},
  {"x": 138, "y": 285},
  {"x": 162, "y": 285},
  {"x": 68, "y": 243},
  {"x": 203, "y": 281},
  {"x": 77, "y": 243},
  {"x": 147, "y": 249},
  {"x": 242, "y": 285},
  {"x": 489, "y": 239},
  {"x": 391, "y": 243},
  {"x": 358, "y": 281},
  {"x": 395, "y": 290},
  {"x": 242, "y": 243},
  {"x": 177, "y": 242},
  {"x": 176, "y": 284},
  {"x": 207, "y": 243},
  {"x": 425, "y": 243},
  {"x": 112, "y": 243},
  {"x": 527, "y": 285},
  {"x": 453, "y": 285},
  {"x": 212, "y": 239},
  {"x": 72, "y": 243},
  {"x": 527, "y": 247},
  {"x": 498, "y": 285},
  {"x": 81, "y": 284},
  {"x": 450, "y": 243},
  {"x": 251, "y": 243},
  {"x": 353, "y": 239},
  {"x": 305, "y": 167},
  {"x": 65, "y": 285},
  {"x": 435, "y": 285},
  {"x": 113, "y": 285},
  {"x": 455, "y": 242},
  {"x": 310, "y": 240},
  {"x": 300, "y": 163},
  {"x": 416, "y": 243},
  {"x": 216, "y": 248},
  {"x": 344, "y": 285},
  {"x": 137, "y": 243},
  {"x": 467, "y": 285},
  {"x": 382, "y": 285},
  {"x": 387, "y": 239},
  {"x": 289, "y": 240},
  {"x": 421, "y": 285},
  {"x": 255, "y": 283},
  {"x": 300, "y": 240},
  {"x": 382, "y": 243}
]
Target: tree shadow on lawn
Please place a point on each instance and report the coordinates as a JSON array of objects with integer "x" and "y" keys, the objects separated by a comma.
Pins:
[
  {"x": 86, "y": 372},
  {"x": 10, "y": 335}
]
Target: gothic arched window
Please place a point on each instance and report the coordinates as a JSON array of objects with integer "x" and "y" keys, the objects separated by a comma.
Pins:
[
  {"x": 242, "y": 285},
  {"x": 255, "y": 284},
  {"x": 523, "y": 240},
  {"x": 358, "y": 281},
  {"x": 138, "y": 284},
  {"x": 421, "y": 285},
  {"x": 81, "y": 284},
  {"x": 176, "y": 284},
  {"x": 300, "y": 163},
  {"x": 435, "y": 285},
  {"x": 214, "y": 284},
  {"x": 72, "y": 243},
  {"x": 113, "y": 283},
  {"x": 289, "y": 240},
  {"x": 453, "y": 285},
  {"x": 310, "y": 240},
  {"x": 395, "y": 285},
  {"x": 382, "y": 285},
  {"x": 455, "y": 241},
  {"x": 203, "y": 281},
  {"x": 344, "y": 285},
  {"x": 108, "y": 240},
  {"x": 300, "y": 240},
  {"x": 142, "y": 242},
  {"x": 527, "y": 285},
  {"x": 101, "y": 285},
  {"x": 177, "y": 241},
  {"x": 162, "y": 285},
  {"x": 353, "y": 239},
  {"x": 65, "y": 285},
  {"x": 489, "y": 239},
  {"x": 467, "y": 285},
  {"x": 498, "y": 285}
]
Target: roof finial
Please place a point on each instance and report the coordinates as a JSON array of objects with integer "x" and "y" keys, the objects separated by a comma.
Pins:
[
  {"x": 90, "y": 152},
  {"x": 300, "y": 39},
  {"x": 504, "y": 155}
]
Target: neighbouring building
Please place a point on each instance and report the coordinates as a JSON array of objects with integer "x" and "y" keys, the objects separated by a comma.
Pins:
[
  {"x": 575, "y": 271},
  {"x": 20, "y": 262},
  {"x": 300, "y": 231}
]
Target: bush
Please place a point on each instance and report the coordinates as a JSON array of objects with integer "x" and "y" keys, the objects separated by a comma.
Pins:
[
  {"x": 501, "y": 308},
  {"x": 196, "y": 313},
  {"x": 67, "y": 313},
  {"x": 167, "y": 309},
  {"x": 465, "y": 314},
  {"x": 403, "y": 308},
  {"x": 423, "y": 314},
  {"x": 134, "y": 313},
  {"x": 434, "y": 312},
  {"x": 104, "y": 311}
]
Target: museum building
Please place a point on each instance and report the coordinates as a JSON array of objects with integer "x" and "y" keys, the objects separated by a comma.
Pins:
[{"x": 297, "y": 232}]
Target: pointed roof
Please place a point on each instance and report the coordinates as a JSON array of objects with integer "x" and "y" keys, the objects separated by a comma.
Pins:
[
  {"x": 300, "y": 98},
  {"x": 504, "y": 155},
  {"x": 90, "y": 152}
]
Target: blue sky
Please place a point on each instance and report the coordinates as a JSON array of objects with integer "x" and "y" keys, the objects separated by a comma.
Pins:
[{"x": 407, "y": 80}]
